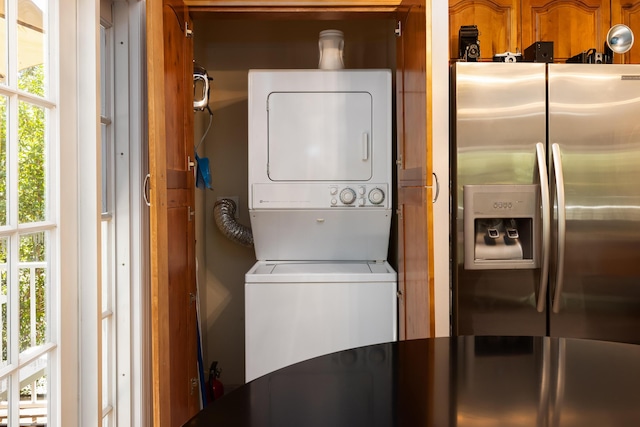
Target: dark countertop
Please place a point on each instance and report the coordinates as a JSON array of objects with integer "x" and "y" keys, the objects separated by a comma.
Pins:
[{"x": 458, "y": 381}]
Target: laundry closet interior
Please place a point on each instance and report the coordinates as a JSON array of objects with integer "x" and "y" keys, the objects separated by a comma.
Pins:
[{"x": 228, "y": 45}]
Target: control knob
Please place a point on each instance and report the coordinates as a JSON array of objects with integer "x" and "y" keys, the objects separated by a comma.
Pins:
[
  {"x": 347, "y": 196},
  {"x": 376, "y": 196}
]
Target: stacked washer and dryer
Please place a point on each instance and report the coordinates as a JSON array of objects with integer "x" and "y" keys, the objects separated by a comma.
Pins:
[{"x": 320, "y": 203}]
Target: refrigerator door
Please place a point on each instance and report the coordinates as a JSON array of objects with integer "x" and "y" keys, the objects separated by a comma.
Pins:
[
  {"x": 499, "y": 117},
  {"x": 594, "y": 130}
]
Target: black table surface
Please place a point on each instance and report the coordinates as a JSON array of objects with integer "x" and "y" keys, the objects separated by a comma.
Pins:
[{"x": 458, "y": 381}]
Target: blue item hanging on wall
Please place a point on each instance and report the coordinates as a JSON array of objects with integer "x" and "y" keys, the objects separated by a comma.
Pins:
[{"x": 203, "y": 173}]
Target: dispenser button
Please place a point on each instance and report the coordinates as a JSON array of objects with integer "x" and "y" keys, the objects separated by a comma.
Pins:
[{"x": 493, "y": 233}]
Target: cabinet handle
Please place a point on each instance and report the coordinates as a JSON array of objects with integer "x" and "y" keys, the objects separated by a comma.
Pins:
[{"x": 145, "y": 190}]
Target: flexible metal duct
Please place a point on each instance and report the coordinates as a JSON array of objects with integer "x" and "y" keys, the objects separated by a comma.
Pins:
[{"x": 224, "y": 213}]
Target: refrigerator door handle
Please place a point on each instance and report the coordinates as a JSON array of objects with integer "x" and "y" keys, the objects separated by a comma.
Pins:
[
  {"x": 546, "y": 226},
  {"x": 562, "y": 222}
]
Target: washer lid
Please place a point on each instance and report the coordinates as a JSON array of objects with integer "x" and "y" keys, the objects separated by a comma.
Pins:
[{"x": 319, "y": 271}]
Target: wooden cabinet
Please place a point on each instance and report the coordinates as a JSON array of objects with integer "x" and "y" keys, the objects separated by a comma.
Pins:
[
  {"x": 498, "y": 24},
  {"x": 572, "y": 26},
  {"x": 172, "y": 241},
  {"x": 171, "y": 128},
  {"x": 415, "y": 258},
  {"x": 628, "y": 13}
]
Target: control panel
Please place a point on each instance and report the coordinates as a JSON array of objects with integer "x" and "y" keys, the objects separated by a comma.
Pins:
[
  {"x": 320, "y": 195},
  {"x": 356, "y": 195}
]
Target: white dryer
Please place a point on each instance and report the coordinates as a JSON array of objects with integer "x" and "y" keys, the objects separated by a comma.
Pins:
[{"x": 320, "y": 166}]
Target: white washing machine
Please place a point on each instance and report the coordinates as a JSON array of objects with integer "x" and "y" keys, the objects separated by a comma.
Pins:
[
  {"x": 320, "y": 204},
  {"x": 295, "y": 311}
]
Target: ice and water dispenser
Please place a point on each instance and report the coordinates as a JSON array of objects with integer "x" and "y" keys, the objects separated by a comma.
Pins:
[{"x": 501, "y": 225}]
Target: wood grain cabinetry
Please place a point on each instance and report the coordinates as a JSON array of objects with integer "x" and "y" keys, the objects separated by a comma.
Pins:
[
  {"x": 628, "y": 12},
  {"x": 172, "y": 245},
  {"x": 415, "y": 266},
  {"x": 498, "y": 23},
  {"x": 171, "y": 128},
  {"x": 572, "y": 26}
]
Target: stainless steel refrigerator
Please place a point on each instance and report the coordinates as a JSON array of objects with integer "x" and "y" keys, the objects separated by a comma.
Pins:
[{"x": 546, "y": 200}]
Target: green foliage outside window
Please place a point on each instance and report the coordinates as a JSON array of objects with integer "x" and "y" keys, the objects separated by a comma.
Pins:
[{"x": 31, "y": 208}]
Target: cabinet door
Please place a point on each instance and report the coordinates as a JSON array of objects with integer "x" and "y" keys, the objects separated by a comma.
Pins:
[
  {"x": 497, "y": 21},
  {"x": 628, "y": 13},
  {"x": 172, "y": 246},
  {"x": 572, "y": 26},
  {"x": 415, "y": 271}
]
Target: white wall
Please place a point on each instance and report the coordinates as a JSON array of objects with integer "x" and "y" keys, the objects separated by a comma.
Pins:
[{"x": 440, "y": 114}]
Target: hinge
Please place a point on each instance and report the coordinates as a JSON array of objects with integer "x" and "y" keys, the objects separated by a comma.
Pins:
[
  {"x": 192, "y": 213},
  {"x": 194, "y": 384},
  {"x": 190, "y": 163},
  {"x": 398, "y": 30},
  {"x": 188, "y": 32},
  {"x": 399, "y": 160},
  {"x": 399, "y": 211}
]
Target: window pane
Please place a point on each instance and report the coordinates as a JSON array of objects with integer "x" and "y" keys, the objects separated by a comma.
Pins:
[
  {"x": 33, "y": 290},
  {"x": 107, "y": 361},
  {"x": 103, "y": 71},
  {"x": 31, "y": 41},
  {"x": 3, "y": 43},
  {"x": 33, "y": 393},
  {"x": 3, "y": 159},
  {"x": 31, "y": 163},
  {"x": 107, "y": 265},
  {"x": 4, "y": 302},
  {"x": 105, "y": 167},
  {"x": 4, "y": 403}
]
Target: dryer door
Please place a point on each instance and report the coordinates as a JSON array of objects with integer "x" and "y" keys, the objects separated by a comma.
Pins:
[{"x": 320, "y": 136}]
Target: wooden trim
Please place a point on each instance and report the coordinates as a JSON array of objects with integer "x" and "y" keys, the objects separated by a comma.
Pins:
[
  {"x": 294, "y": 13},
  {"x": 429, "y": 163},
  {"x": 295, "y": 3},
  {"x": 291, "y": 9}
]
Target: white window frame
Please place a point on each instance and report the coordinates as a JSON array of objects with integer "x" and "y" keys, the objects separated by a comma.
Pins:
[
  {"x": 108, "y": 228},
  {"x": 14, "y": 231},
  {"x": 78, "y": 398}
]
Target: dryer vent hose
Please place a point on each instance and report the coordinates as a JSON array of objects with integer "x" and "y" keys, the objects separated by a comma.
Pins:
[{"x": 224, "y": 213}]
